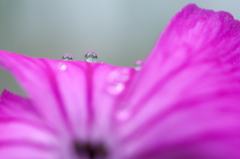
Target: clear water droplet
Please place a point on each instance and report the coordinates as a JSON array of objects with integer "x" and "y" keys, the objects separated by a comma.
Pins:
[
  {"x": 119, "y": 87},
  {"x": 116, "y": 80},
  {"x": 91, "y": 57},
  {"x": 62, "y": 66},
  {"x": 116, "y": 88},
  {"x": 138, "y": 65},
  {"x": 67, "y": 57}
]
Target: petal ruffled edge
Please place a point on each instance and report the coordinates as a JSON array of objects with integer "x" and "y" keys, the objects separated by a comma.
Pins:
[{"x": 191, "y": 83}]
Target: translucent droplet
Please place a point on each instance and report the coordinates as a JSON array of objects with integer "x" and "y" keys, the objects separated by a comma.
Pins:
[
  {"x": 116, "y": 88},
  {"x": 138, "y": 65},
  {"x": 91, "y": 56},
  {"x": 119, "y": 87},
  {"x": 62, "y": 66},
  {"x": 67, "y": 57},
  {"x": 116, "y": 80}
]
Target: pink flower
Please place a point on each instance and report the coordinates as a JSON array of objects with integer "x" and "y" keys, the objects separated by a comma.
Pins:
[{"x": 183, "y": 103}]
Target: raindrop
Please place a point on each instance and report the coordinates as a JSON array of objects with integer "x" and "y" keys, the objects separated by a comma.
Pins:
[
  {"x": 138, "y": 65},
  {"x": 67, "y": 57},
  {"x": 91, "y": 57},
  {"x": 119, "y": 87},
  {"x": 62, "y": 66},
  {"x": 117, "y": 81},
  {"x": 116, "y": 88}
]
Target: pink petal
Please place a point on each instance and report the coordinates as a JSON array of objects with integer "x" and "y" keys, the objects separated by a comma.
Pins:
[
  {"x": 185, "y": 102},
  {"x": 75, "y": 98},
  {"x": 22, "y": 134}
]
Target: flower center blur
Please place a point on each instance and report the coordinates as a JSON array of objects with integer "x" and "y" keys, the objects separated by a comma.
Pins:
[{"x": 88, "y": 150}]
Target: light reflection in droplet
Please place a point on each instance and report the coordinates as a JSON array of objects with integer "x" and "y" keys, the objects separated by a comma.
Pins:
[
  {"x": 119, "y": 87},
  {"x": 138, "y": 65},
  {"x": 67, "y": 57},
  {"x": 116, "y": 80},
  {"x": 63, "y": 67},
  {"x": 91, "y": 57}
]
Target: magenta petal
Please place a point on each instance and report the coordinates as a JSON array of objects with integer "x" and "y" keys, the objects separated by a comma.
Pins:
[
  {"x": 184, "y": 103},
  {"x": 76, "y": 98},
  {"x": 21, "y": 131},
  {"x": 190, "y": 106}
]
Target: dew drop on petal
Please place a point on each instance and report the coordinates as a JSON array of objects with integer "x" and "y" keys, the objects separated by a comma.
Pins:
[
  {"x": 91, "y": 57},
  {"x": 138, "y": 65},
  {"x": 119, "y": 87},
  {"x": 62, "y": 66},
  {"x": 116, "y": 88},
  {"x": 116, "y": 81},
  {"x": 67, "y": 57}
]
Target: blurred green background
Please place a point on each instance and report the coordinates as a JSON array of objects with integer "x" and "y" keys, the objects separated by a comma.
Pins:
[{"x": 120, "y": 31}]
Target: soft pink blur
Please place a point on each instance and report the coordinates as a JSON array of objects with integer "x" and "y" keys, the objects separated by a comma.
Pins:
[{"x": 182, "y": 103}]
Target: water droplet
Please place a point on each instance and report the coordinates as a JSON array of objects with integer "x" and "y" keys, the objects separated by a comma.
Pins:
[
  {"x": 62, "y": 66},
  {"x": 116, "y": 80},
  {"x": 91, "y": 57},
  {"x": 116, "y": 88},
  {"x": 138, "y": 65},
  {"x": 119, "y": 87},
  {"x": 101, "y": 62},
  {"x": 67, "y": 57}
]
